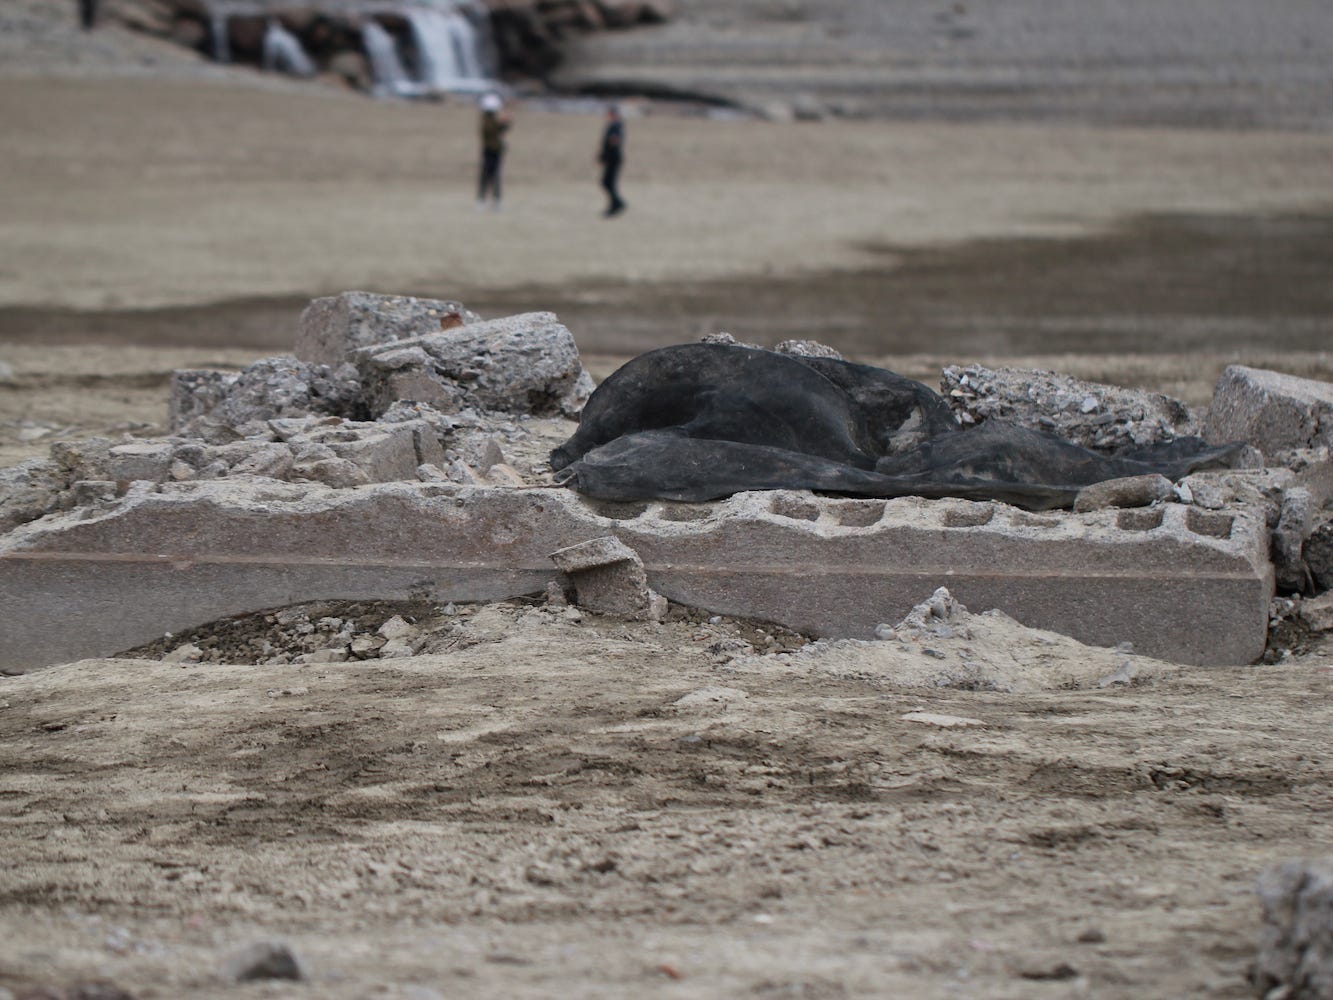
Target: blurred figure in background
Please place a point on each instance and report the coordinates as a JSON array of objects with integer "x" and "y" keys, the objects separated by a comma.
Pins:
[
  {"x": 87, "y": 13},
  {"x": 611, "y": 156},
  {"x": 494, "y": 124}
]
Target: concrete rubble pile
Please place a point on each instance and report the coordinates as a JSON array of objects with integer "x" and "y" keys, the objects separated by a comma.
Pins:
[
  {"x": 383, "y": 389},
  {"x": 1098, "y": 417},
  {"x": 399, "y": 456}
]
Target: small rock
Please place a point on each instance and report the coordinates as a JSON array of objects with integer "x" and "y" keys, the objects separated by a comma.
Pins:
[
  {"x": 395, "y": 649},
  {"x": 1131, "y": 491},
  {"x": 185, "y": 653},
  {"x": 366, "y": 645},
  {"x": 1123, "y": 675},
  {"x": 264, "y": 960},
  {"x": 396, "y": 628}
]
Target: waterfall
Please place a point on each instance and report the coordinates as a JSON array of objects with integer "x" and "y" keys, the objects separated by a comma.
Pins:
[
  {"x": 221, "y": 41},
  {"x": 283, "y": 52},
  {"x": 385, "y": 63},
  {"x": 448, "y": 50}
]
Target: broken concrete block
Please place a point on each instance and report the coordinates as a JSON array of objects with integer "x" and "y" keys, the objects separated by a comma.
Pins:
[
  {"x": 146, "y": 460},
  {"x": 1293, "y": 528},
  {"x": 1316, "y": 613},
  {"x": 608, "y": 578},
  {"x": 1100, "y": 417},
  {"x": 1270, "y": 410},
  {"x": 87, "y": 492},
  {"x": 431, "y": 474},
  {"x": 331, "y": 329},
  {"x": 270, "y": 389},
  {"x": 336, "y": 472},
  {"x": 501, "y": 474},
  {"x": 28, "y": 491},
  {"x": 86, "y": 459},
  {"x": 1179, "y": 582},
  {"x": 271, "y": 459},
  {"x": 1130, "y": 491},
  {"x": 384, "y": 452},
  {"x": 1295, "y": 959},
  {"x": 1317, "y": 554},
  {"x": 519, "y": 364},
  {"x": 195, "y": 393}
]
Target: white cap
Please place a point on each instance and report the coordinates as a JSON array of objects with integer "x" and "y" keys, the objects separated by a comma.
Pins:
[{"x": 491, "y": 102}]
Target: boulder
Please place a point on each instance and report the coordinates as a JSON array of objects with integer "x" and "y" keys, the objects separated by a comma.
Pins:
[
  {"x": 1100, "y": 417},
  {"x": 1295, "y": 959},
  {"x": 331, "y": 330},
  {"x": 1270, "y": 410}
]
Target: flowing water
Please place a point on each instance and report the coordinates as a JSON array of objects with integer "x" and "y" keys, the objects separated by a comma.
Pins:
[{"x": 283, "y": 52}]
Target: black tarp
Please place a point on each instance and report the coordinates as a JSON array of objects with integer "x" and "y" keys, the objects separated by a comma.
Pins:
[{"x": 702, "y": 421}]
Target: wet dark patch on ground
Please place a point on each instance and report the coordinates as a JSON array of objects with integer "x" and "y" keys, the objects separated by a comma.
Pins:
[{"x": 1156, "y": 284}]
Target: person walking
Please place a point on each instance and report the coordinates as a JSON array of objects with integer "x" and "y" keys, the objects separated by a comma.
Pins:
[
  {"x": 611, "y": 156},
  {"x": 494, "y": 124}
]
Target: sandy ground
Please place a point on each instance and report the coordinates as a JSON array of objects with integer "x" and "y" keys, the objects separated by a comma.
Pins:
[
  {"x": 565, "y": 805},
  {"x": 530, "y": 810}
]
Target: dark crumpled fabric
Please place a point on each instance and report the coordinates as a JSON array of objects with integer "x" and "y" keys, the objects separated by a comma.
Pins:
[{"x": 702, "y": 421}]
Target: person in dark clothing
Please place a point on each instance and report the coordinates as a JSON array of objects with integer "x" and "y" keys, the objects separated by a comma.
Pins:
[
  {"x": 611, "y": 156},
  {"x": 87, "y": 13},
  {"x": 494, "y": 124}
]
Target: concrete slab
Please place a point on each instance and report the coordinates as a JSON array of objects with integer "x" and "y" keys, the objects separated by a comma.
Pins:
[
  {"x": 1180, "y": 582},
  {"x": 1273, "y": 411}
]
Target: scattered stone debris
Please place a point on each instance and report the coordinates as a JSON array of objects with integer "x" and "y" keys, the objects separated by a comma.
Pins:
[
  {"x": 1295, "y": 958},
  {"x": 264, "y": 960},
  {"x": 1099, "y": 417},
  {"x": 319, "y": 632},
  {"x": 347, "y": 632}
]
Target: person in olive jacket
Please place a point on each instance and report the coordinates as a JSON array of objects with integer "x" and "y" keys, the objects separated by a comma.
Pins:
[{"x": 494, "y": 124}]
